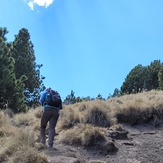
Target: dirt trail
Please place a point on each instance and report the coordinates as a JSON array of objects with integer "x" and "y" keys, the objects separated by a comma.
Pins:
[{"x": 145, "y": 145}]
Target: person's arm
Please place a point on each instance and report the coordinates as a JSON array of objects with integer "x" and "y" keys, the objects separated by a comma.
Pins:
[{"x": 42, "y": 98}]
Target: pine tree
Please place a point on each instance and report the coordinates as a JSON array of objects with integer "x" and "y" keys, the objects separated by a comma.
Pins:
[
  {"x": 25, "y": 65},
  {"x": 116, "y": 92},
  {"x": 160, "y": 78},
  {"x": 152, "y": 75},
  {"x": 70, "y": 99},
  {"x": 134, "y": 81},
  {"x": 99, "y": 97},
  {"x": 142, "y": 78},
  {"x": 9, "y": 86}
]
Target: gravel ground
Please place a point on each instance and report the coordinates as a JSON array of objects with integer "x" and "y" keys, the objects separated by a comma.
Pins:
[{"x": 144, "y": 145}]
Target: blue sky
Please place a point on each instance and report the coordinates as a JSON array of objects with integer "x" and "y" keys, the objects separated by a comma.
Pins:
[{"x": 88, "y": 46}]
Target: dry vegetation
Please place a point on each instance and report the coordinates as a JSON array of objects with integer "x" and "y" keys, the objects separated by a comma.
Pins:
[
  {"x": 82, "y": 124},
  {"x": 18, "y": 138},
  {"x": 84, "y": 135},
  {"x": 138, "y": 108}
]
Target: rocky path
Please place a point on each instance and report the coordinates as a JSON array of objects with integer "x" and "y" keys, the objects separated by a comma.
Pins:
[{"x": 144, "y": 145}]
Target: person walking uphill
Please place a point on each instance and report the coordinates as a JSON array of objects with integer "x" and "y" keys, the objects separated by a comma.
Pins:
[{"x": 52, "y": 103}]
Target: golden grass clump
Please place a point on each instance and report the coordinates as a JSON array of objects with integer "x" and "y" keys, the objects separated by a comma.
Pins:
[
  {"x": 31, "y": 118},
  {"x": 69, "y": 117},
  {"x": 83, "y": 106},
  {"x": 91, "y": 136},
  {"x": 28, "y": 155},
  {"x": 83, "y": 135},
  {"x": 35, "y": 118},
  {"x": 18, "y": 141},
  {"x": 25, "y": 154},
  {"x": 6, "y": 128},
  {"x": 23, "y": 119},
  {"x": 3, "y": 119},
  {"x": 140, "y": 108},
  {"x": 37, "y": 112},
  {"x": 98, "y": 114},
  {"x": 20, "y": 148}
]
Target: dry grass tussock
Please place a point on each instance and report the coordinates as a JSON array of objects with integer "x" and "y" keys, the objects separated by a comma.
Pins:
[
  {"x": 18, "y": 143},
  {"x": 36, "y": 112},
  {"x": 146, "y": 107},
  {"x": 138, "y": 108},
  {"x": 82, "y": 135},
  {"x": 23, "y": 119},
  {"x": 97, "y": 114},
  {"x": 69, "y": 117},
  {"x": 20, "y": 148},
  {"x": 29, "y": 120},
  {"x": 6, "y": 128}
]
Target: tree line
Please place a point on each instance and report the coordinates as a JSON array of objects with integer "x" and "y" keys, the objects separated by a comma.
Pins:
[
  {"x": 139, "y": 79},
  {"x": 20, "y": 78},
  {"x": 21, "y": 81},
  {"x": 144, "y": 78}
]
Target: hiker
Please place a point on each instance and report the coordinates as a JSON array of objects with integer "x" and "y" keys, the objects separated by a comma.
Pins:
[{"x": 52, "y": 103}]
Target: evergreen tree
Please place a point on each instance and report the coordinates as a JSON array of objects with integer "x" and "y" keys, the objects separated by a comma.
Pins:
[
  {"x": 160, "y": 78},
  {"x": 99, "y": 96},
  {"x": 134, "y": 81},
  {"x": 10, "y": 88},
  {"x": 142, "y": 78},
  {"x": 70, "y": 99},
  {"x": 116, "y": 92},
  {"x": 78, "y": 99},
  {"x": 88, "y": 98},
  {"x": 25, "y": 65},
  {"x": 152, "y": 75},
  {"x": 3, "y": 32}
]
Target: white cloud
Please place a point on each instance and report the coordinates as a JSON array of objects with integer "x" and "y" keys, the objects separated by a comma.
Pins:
[
  {"x": 42, "y": 3},
  {"x": 31, "y": 5}
]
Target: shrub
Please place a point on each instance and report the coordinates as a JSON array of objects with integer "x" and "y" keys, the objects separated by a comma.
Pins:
[
  {"x": 130, "y": 115},
  {"x": 68, "y": 119},
  {"x": 37, "y": 112},
  {"x": 6, "y": 128},
  {"x": 83, "y": 135},
  {"x": 23, "y": 154},
  {"x": 23, "y": 119},
  {"x": 83, "y": 106},
  {"x": 28, "y": 155},
  {"x": 4, "y": 119},
  {"x": 140, "y": 108},
  {"x": 91, "y": 136},
  {"x": 20, "y": 148},
  {"x": 98, "y": 115}
]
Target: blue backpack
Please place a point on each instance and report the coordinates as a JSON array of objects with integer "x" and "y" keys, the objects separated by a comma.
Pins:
[{"x": 53, "y": 98}]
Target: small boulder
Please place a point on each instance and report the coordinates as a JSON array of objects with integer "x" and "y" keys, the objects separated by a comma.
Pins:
[{"x": 117, "y": 132}]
